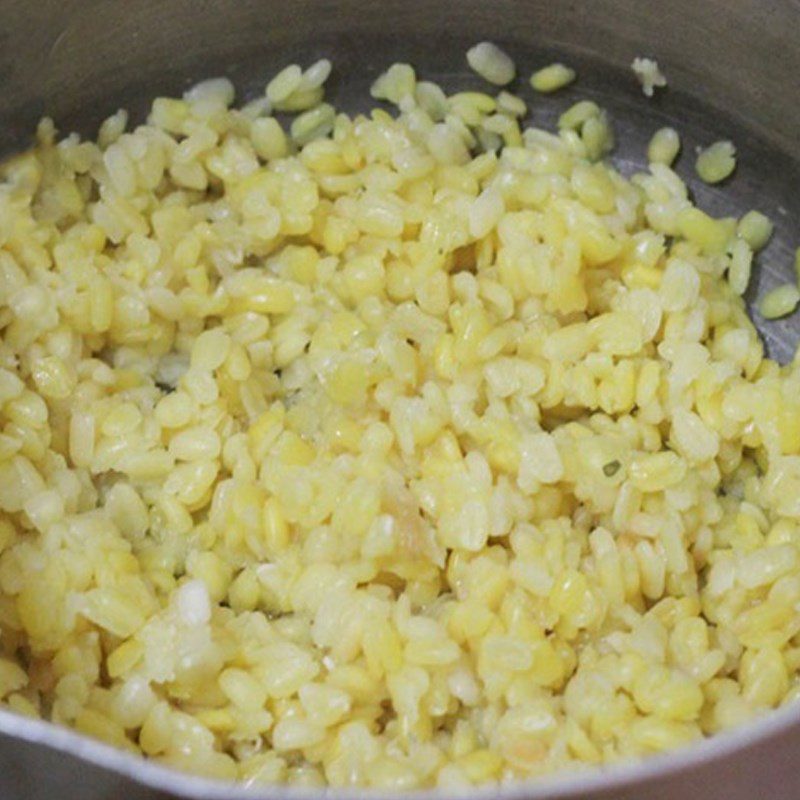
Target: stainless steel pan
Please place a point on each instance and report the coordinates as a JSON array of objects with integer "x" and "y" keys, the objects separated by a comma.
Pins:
[{"x": 734, "y": 71}]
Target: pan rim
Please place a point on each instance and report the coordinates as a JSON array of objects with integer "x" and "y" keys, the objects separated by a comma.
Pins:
[{"x": 558, "y": 786}]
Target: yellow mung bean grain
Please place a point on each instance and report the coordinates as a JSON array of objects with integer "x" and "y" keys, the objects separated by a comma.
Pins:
[
  {"x": 491, "y": 63},
  {"x": 664, "y": 146},
  {"x": 552, "y": 78},
  {"x": 755, "y": 228},
  {"x": 716, "y": 162},
  {"x": 779, "y": 302}
]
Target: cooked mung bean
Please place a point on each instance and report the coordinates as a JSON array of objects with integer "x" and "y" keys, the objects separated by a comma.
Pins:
[
  {"x": 664, "y": 146},
  {"x": 716, "y": 162},
  {"x": 756, "y": 229},
  {"x": 402, "y": 451},
  {"x": 779, "y": 302},
  {"x": 491, "y": 63},
  {"x": 648, "y": 74},
  {"x": 552, "y": 78}
]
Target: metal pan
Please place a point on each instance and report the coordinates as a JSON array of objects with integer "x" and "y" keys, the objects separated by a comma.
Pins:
[{"x": 733, "y": 68}]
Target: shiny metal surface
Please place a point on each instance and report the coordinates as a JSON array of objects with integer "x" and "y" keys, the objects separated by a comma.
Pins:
[
  {"x": 732, "y": 67},
  {"x": 41, "y": 762}
]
